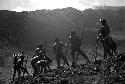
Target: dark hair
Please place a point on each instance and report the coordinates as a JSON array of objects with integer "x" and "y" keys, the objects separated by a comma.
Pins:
[
  {"x": 40, "y": 45},
  {"x": 102, "y": 20},
  {"x": 22, "y": 52},
  {"x": 73, "y": 32},
  {"x": 22, "y": 57},
  {"x": 56, "y": 39}
]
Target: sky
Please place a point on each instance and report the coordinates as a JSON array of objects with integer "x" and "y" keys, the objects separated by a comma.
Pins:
[{"x": 28, "y": 5}]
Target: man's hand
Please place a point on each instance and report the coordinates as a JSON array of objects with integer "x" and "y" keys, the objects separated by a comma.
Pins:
[
  {"x": 25, "y": 60},
  {"x": 98, "y": 38},
  {"x": 67, "y": 45}
]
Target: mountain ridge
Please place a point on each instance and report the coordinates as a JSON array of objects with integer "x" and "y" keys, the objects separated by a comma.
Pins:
[{"x": 27, "y": 29}]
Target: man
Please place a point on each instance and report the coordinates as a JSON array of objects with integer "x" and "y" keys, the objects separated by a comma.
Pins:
[
  {"x": 113, "y": 47},
  {"x": 104, "y": 32},
  {"x": 39, "y": 53},
  {"x": 24, "y": 70},
  {"x": 75, "y": 44},
  {"x": 38, "y": 50},
  {"x": 16, "y": 67},
  {"x": 20, "y": 64},
  {"x": 57, "y": 47},
  {"x": 43, "y": 64},
  {"x": 109, "y": 46}
]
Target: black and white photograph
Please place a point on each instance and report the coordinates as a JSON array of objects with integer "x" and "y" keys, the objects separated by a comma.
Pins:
[{"x": 62, "y": 41}]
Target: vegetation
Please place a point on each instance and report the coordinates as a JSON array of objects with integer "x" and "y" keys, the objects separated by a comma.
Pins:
[{"x": 24, "y": 30}]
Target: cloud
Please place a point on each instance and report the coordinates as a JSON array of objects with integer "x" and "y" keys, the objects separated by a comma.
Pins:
[
  {"x": 20, "y": 9},
  {"x": 95, "y": 3},
  {"x": 86, "y": 2},
  {"x": 103, "y": 2},
  {"x": 5, "y": 4},
  {"x": 111, "y": 2},
  {"x": 53, "y": 4}
]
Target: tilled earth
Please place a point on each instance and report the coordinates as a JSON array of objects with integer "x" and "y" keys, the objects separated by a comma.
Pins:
[{"x": 82, "y": 74}]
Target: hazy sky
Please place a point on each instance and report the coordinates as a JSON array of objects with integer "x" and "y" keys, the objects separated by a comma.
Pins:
[{"x": 53, "y": 4}]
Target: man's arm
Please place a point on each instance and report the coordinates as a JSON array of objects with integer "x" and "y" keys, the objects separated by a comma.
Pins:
[
  {"x": 34, "y": 54},
  {"x": 108, "y": 30},
  {"x": 36, "y": 51},
  {"x": 99, "y": 33},
  {"x": 68, "y": 42},
  {"x": 54, "y": 50}
]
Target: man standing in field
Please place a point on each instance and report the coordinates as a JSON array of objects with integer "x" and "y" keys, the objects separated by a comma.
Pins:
[
  {"x": 75, "y": 44},
  {"x": 57, "y": 48},
  {"x": 104, "y": 36},
  {"x": 37, "y": 56}
]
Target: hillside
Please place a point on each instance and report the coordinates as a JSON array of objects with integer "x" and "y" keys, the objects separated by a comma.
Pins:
[
  {"x": 27, "y": 29},
  {"x": 22, "y": 31}
]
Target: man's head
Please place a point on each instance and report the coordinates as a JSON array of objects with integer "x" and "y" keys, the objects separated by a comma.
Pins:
[
  {"x": 15, "y": 55},
  {"x": 103, "y": 21},
  {"x": 22, "y": 57},
  {"x": 40, "y": 46},
  {"x": 41, "y": 53},
  {"x": 73, "y": 33},
  {"x": 57, "y": 39},
  {"x": 22, "y": 52}
]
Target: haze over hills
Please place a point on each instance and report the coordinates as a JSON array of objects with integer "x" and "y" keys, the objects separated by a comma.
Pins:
[{"x": 27, "y": 29}]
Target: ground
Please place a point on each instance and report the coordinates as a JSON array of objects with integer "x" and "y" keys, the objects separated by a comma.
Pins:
[{"x": 88, "y": 77}]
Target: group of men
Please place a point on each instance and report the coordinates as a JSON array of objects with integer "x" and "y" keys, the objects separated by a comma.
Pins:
[
  {"x": 110, "y": 48},
  {"x": 19, "y": 66},
  {"x": 41, "y": 62},
  {"x": 74, "y": 43}
]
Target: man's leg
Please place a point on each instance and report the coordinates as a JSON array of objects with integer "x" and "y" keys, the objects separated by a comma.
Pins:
[
  {"x": 65, "y": 60},
  {"x": 58, "y": 60},
  {"x": 41, "y": 70},
  {"x": 14, "y": 73},
  {"x": 81, "y": 52},
  {"x": 109, "y": 52},
  {"x": 48, "y": 67},
  {"x": 24, "y": 70},
  {"x": 105, "y": 53},
  {"x": 19, "y": 73},
  {"x": 105, "y": 49},
  {"x": 115, "y": 48},
  {"x": 35, "y": 70},
  {"x": 73, "y": 57},
  {"x": 45, "y": 68},
  {"x": 38, "y": 70}
]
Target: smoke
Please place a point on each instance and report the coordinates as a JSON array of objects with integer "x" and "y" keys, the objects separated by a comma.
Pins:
[
  {"x": 110, "y": 2},
  {"x": 103, "y": 2},
  {"x": 54, "y": 4}
]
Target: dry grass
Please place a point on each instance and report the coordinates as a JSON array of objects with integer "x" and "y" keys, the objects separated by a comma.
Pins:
[{"x": 7, "y": 71}]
